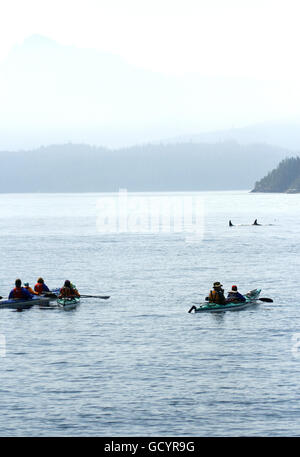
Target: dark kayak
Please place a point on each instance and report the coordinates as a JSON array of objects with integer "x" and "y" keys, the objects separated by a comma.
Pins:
[{"x": 23, "y": 304}]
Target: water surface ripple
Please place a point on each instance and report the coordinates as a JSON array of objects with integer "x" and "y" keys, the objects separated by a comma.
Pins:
[{"x": 139, "y": 364}]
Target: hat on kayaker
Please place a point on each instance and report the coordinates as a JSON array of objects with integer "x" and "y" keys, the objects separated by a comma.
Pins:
[
  {"x": 234, "y": 288},
  {"x": 217, "y": 284}
]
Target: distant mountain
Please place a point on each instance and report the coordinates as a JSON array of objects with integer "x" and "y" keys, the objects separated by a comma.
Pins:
[
  {"x": 53, "y": 94},
  {"x": 283, "y": 135},
  {"x": 284, "y": 178},
  {"x": 178, "y": 167}
]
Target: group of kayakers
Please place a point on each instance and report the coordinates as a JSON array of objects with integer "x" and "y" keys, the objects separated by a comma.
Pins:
[
  {"x": 26, "y": 293},
  {"x": 217, "y": 295}
]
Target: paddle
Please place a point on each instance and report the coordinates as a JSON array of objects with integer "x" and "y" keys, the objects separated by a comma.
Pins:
[
  {"x": 267, "y": 300},
  {"x": 50, "y": 295},
  {"x": 53, "y": 295},
  {"x": 192, "y": 309},
  {"x": 104, "y": 297}
]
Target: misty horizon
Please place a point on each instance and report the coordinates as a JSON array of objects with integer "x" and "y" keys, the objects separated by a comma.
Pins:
[{"x": 52, "y": 93}]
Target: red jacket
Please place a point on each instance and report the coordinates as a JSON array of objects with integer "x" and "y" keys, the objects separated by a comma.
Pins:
[
  {"x": 41, "y": 287},
  {"x": 38, "y": 288}
]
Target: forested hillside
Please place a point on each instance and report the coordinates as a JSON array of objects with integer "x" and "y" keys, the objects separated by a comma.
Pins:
[
  {"x": 170, "y": 167},
  {"x": 284, "y": 178}
]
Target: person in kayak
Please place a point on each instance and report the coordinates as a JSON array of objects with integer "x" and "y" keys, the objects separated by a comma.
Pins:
[
  {"x": 216, "y": 295},
  {"x": 41, "y": 287},
  {"x": 19, "y": 292},
  {"x": 74, "y": 290},
  {"x": 230, "y": 224},
  {"x": 68, "y": 291},
  {"x": 30, "y": 290},
  {"x": 235, "y": 296}
]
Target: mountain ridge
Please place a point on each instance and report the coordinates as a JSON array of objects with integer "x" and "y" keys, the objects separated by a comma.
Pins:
[{"x": 179, "y": 167}]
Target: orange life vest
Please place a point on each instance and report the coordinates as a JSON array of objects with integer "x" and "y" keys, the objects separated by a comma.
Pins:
[
  {"x": 18, "y": 292},
  {"x": 216, "y": 297},
  {"x": 30, "y": 290},
  {"x": 68, "y": 292}
]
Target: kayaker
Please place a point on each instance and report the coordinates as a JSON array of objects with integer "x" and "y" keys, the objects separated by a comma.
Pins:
[
  {"x": 41, "y": 287},
  {"x": 255, "y": 222},
  {"x": 74, "y": 290},
  {"x": 235, "y": 296},
  {"x": 30, "y": 290},
  {"x": 230, "y": 224},
  {"x": 68, "y": 291},
  {"x": 216, "y": 295},
  {"x": 19, "y": 292}
]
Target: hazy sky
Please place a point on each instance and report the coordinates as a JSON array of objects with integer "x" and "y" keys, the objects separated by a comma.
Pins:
[
  {"x": 252, "y": 38},
  {"x": 221, "y": 63}
]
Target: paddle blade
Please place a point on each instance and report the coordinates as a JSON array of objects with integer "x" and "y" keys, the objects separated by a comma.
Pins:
[
  {"x": 193, "y": 308},
  {"x": 268, "y": 300}
]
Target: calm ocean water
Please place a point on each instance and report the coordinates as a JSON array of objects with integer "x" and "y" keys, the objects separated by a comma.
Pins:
[{"x": 139, "y": 364}]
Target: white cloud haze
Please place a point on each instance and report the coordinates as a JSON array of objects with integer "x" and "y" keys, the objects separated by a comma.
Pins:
[{"x": 204, "y": 65}]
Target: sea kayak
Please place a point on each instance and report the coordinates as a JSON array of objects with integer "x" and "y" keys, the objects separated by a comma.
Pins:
[
  {"x": 23, "y": 304},
  {"x": 68, "y": 303},
  {"x": 251, "y": 300}
]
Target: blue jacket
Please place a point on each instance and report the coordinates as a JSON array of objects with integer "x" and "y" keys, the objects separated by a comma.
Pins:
[
  {"x": 23, "y": 294},
  {"x": 235, "y": 296}
]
